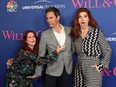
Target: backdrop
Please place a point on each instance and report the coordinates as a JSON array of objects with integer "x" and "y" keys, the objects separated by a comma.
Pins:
[{"x": 17, "y": 16}]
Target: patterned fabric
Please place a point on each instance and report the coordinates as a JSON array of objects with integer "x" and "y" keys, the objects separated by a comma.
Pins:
[
  {"x": 100, "y": 66},
  {"x": 86, "y": 75},
  {"x": 93, "y": 49},
  {"x": 78, "y": 76},
  {"x": 90, "y": 44},
  {"x": 24, "y": 66},
  {"x": 48, "y": 58}
]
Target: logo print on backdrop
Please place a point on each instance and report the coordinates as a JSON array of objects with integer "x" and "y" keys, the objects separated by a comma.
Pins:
[
  {"x": 42, "y": 1},
  {"x": 109, "y": 72},
  {"x": 43, "y": 4},
  {"x": 94, "y": 3},
  {"x": 112, "y": 37},
  {"x": 115, "y": 2},
  {"x": 12, "y": 6},
  {"x": 12, "y": 35},
  {"x": 113, "y": 34}
]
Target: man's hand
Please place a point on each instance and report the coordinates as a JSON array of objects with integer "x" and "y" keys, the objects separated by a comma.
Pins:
[{"x": 59, "y": 48}]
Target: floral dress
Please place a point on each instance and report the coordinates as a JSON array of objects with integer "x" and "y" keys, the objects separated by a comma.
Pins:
[{"x": 24, "y": 66}]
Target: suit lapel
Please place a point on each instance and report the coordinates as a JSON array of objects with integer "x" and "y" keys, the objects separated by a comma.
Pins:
[
  {"x": 53, "y": 37},
  {"x": 66, "y": 33}
]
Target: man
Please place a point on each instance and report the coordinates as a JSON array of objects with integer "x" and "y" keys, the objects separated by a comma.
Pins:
[{"x": 58, "y": 36}]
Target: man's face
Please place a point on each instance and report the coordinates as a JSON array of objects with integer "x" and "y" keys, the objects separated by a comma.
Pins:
[{"x": 52, "y": 20}]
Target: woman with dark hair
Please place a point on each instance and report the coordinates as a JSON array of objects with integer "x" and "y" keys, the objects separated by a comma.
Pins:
[
  {"x": 92, "y": 48},
  {"x": 22, "y": 69}
]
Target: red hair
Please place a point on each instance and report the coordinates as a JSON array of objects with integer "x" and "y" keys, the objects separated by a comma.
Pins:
[{"x": 75, "y": 32}]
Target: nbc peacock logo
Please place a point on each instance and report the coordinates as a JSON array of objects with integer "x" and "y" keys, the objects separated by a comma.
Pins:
[{"x": 12, "y": 6}]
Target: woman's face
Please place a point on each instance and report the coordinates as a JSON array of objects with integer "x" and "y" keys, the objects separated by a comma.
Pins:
[
  {"x": 83, "y": 20},
  {"x": 31, "y": 40}
]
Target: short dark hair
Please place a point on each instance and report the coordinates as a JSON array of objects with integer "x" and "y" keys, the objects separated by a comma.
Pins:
[{"x": 54, "y": 10}]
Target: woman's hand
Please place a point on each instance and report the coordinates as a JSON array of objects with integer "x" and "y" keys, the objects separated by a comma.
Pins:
[
  {"x": 96, "y": 67},
  {"x": 10, "y": 85},
  {"x": 32, "y": 77},
  {"x": 59, "y": 48}
]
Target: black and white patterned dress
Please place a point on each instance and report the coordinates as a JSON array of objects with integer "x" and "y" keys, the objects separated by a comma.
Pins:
[{"x": 93, "y": 49}]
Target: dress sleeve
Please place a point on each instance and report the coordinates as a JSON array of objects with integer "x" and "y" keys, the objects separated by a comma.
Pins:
[
  {"x": 16, "y": 66},
  {"x": 18, "y": 61},
  {"x": 43, "y": 60},
  {"x": 51, "y": 56},
  {"x": 105, "y": 49},
  {"x": 46, "y": 59}
]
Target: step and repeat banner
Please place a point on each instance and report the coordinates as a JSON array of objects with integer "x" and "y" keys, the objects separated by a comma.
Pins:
[{"x": 17, "y": 16}]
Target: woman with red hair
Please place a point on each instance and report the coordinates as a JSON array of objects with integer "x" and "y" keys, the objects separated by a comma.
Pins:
[{"x": 90, "y": 44}]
